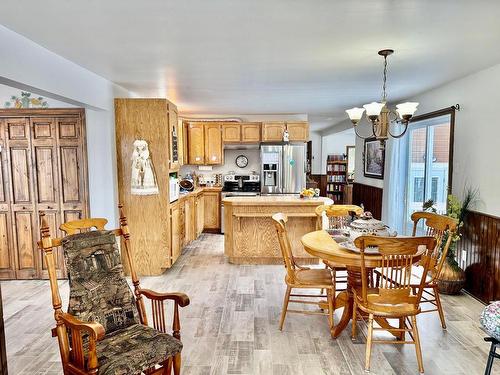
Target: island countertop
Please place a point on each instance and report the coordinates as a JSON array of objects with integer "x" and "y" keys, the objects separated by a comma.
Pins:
[
  {"x": 276, "y": 200},
  {"x": 250, "y": 235}
]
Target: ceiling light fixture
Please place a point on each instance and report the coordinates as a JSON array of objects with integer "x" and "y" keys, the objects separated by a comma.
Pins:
[{"x": 380, "y": 115}]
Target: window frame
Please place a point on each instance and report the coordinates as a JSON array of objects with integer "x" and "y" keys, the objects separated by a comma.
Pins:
[{"x": 442, "y": 112}]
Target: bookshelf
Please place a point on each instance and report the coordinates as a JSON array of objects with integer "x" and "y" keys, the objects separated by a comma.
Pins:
[{"x": 336, "y": 177}]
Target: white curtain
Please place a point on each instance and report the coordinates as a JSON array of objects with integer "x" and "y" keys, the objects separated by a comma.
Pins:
[{"x": 396, "y": 169}]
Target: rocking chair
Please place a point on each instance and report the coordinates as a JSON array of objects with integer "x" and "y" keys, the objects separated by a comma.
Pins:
[{"x": 106, "y": 329}]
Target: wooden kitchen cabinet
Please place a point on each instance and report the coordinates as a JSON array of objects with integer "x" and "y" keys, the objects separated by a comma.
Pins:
[
  {"x": 177, "y": 233},
  {"x": 231, "y": 132},
  {"x": 199, "y": 214},
  {"x": 250, "y": 132},
  {"x": 189, "y": 222},
  {"x": 196, "y": 143},
  {"x": 273, "y": 131},
  {"x": 213, "y": 144},
  {"x": 211, "y": 210},
  {"x": 298, "y": 131}
]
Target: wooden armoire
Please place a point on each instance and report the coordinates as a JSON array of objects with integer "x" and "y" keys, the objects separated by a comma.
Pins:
[{"x": 43, "y": 168}]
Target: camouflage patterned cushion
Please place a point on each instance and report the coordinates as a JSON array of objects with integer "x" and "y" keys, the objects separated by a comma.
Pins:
[
  {"x": 134, "y": 349},
  {"x": 98, "y": 289}
]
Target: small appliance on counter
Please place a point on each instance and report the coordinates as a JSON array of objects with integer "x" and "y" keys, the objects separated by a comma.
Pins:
[
  {"x": 186, "y": 185},
  {"x": 207, "y": 180},
  {"x": 174, "y": 189}
]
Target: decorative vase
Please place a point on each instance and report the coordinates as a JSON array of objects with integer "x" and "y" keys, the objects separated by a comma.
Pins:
[{"x": 451, "y": 279}]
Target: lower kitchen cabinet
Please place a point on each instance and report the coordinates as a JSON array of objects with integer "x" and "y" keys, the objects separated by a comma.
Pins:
[
  {"x": 189, "y": 222},
  {"x": 190, "y": 216},
  {"x": 212, "y": 210},
  {"x": 200, "y": 214},
  {"x": 177, "y": 230}
]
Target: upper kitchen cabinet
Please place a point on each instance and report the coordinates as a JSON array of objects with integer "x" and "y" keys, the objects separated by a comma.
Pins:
[
  {"x": 298, "y": 131},
  {"x": 213, "y": 143},
  {"x": 231, "y": 132},
  {"x": 250, "y": 132},
  {"x": 273, "y": 131},
  {"x": 195, "y": 143},
  {"x": 175, "y": 139}
]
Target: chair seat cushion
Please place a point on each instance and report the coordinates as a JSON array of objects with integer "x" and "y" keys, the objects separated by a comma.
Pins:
[
  {"x": 314, "y": 277},
  {"x": 134, "y": 349},
  {"x": 490, "y": 320}
]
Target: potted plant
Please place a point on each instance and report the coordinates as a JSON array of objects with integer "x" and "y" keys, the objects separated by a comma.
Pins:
[{"x": 452, "y": 277}]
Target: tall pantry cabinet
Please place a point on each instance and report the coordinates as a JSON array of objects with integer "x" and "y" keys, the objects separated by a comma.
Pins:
[
  {"x": 43, "y": 168},
  {"x": 148, "y": 215}
]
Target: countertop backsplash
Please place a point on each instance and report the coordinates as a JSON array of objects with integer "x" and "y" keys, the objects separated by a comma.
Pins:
[{"x": 229, "y": 165}]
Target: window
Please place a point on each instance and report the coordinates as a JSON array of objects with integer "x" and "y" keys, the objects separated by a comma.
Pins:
[
  {"x": 418, "y": 189},
  {"x": 429, "y": 162}
]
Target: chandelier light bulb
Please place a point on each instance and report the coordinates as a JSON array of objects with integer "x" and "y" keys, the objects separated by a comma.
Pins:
[
  {"x": 355, "y": 114},
  {"x": 373, "y": 109},
  {"x": 406, "y": 110}
]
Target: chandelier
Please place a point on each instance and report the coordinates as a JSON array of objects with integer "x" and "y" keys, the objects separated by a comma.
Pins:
[{"x": 380, "y": 116}]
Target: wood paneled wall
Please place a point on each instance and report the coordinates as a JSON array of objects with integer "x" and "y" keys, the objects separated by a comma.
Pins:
[
  {"x": 370, "y": 197},
  {"x": 480, "y": 244},
  {"x": 3, "y": 354}
]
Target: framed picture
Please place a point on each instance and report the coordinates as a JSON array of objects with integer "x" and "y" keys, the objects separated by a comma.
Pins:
[{"x": 374, "y": 159}]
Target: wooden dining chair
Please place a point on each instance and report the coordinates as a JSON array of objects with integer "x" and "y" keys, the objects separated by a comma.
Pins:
[
  {"x": 443, "y": 228},
  {"x": 302, "y": 277},
  {"x": 338, "y": 217},
  {"x": 105, "y": 330},
  {"x": 389, "y": 299}
]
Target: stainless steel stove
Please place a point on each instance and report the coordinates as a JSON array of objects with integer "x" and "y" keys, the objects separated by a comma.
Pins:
[{"x": 238, "y": 186}]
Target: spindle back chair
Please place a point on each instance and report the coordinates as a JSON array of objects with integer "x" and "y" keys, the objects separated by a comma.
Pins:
[
  {"x": 442, "y": 228},
  {"x": 302, "y": 277},
  {"x": 338, "y": 216},
  {"x": 394, "y": 297}
]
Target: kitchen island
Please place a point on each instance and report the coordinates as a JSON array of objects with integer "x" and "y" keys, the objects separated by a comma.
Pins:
[{"x": 250, "y": 236}]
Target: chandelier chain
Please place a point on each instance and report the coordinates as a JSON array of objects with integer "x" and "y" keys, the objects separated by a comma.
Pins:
[{"x": 384, "y": 94}]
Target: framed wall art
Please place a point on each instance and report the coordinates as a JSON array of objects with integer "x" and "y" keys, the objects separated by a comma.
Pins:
[{"x": 373, "y": 158}]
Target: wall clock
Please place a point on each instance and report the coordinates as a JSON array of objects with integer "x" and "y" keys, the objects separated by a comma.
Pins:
[{"x": 241, "y": 161}]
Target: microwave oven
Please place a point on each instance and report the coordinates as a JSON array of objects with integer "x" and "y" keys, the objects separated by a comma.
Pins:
[{"x": 174, "y": 189}]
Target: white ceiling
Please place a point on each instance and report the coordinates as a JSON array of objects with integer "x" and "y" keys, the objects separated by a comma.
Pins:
[{"x": 266, "y": 56}]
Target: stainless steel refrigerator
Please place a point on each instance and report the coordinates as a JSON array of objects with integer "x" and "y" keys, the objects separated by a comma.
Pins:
[{"x": 283, "y": 168}]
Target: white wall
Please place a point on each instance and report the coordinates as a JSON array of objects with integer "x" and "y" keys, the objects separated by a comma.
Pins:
[
  {"x": 476, "y": 159},
  {"x": 317, "y": 155},
  {"x": 229, "y": 165},
  {"x": 335, "y": 144},
  {"x": 29, "y": 67}
]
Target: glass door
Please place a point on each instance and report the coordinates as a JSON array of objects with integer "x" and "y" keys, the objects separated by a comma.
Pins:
[{"x": 429, "y": 164}]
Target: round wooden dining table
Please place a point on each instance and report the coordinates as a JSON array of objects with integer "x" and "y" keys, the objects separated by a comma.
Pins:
[{"x": 320, "y": 244}]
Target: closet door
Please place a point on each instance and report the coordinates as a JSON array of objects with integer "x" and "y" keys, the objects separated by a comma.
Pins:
[
  {"x": 46, "y": 184},
  {"x": 72, "y": 168},
  {"x": 7, "y": 259},
  {"x": 23, "y": 215}
]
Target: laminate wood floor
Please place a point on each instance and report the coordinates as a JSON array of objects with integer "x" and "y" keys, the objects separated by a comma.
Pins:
[{"x": 231, "y": 326}]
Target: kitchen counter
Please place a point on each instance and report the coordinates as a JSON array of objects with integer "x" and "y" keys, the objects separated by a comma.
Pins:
[
  {"x": 250, "y": 236},
  {"x": 275, "y": 200},
  {"x": 197, "y": 190}
]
